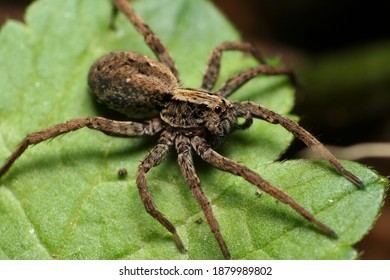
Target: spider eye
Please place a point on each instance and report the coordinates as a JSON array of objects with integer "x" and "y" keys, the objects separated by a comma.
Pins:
[{"x": 217, "y": 109}]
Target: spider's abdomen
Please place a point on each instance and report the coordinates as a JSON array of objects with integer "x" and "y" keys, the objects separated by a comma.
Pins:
[{"x": 131, "y": 83}]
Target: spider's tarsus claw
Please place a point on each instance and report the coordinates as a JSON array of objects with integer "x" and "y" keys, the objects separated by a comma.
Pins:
[
  {"x": 326, "y": 229},
  {"x": 352, "y": 178},
  {"x": 225, "y": 251},
  {"x": 355, "y": 180},
  {"x": 227, "y": 256},
  {"x": 293, "y": 79},
  {"x": 179, "y": 243},
  {"x": 330, "y": 232},
  {"x": 323, "y": 227},
  {"x": 334, "y": 234}
]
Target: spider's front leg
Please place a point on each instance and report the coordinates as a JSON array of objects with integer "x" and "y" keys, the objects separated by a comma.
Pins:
[
  {"x": 107, "y": 126},
  {"x": 258, "y": 111},
  {"x": 214, "y": 62},
  {"x": 183, "y": 147},
  {"x": 154, "y": 158},
  {"x": 231, "y": 166},
  {"x": 243, "y": 77}
]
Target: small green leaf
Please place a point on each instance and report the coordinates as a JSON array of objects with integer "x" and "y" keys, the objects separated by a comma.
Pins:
[{"x": 63, "y": 198}]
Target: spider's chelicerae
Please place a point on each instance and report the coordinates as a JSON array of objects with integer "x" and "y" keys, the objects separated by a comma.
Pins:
[{"x": 185, "y": 119}]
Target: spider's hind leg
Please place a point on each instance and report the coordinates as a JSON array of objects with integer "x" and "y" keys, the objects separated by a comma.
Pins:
[
  {"x": 114, "y": 15},
  {"x": 151, "y": 39}
]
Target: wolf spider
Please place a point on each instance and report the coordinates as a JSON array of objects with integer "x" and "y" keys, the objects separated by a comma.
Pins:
[{"x": 187, "y": 119}]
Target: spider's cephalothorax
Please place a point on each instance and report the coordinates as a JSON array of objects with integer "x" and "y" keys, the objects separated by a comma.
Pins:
[
  {"x": 200, "y": 112},
  {"x": 187, "y": 120}
]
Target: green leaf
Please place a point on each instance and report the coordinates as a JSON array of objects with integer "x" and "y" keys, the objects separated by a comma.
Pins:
[{"x": 63, "y": 198}]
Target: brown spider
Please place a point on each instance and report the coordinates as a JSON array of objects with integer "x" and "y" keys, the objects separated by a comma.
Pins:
[{"x": 187, "y": 119}]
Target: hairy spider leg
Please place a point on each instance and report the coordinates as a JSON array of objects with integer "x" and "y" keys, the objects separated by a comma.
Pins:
[
  {"x": 261, "y": 112},
  {"x": 214, "y": 62},
  {"x": 258, "y": 111},
  {"x": 235, "y": 82},
  {"x": 231, "y": 166},
  {"x": 153, "y": 159},
  {"x": 183, "y": 147},
  {"x": 151, "y": 39},
  {"x": 107, "y": 126}
]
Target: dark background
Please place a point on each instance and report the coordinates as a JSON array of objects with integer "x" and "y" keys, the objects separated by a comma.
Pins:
[{"x": 340, "y": 50}]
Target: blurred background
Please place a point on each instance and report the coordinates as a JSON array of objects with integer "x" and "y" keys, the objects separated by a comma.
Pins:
[{"x": 340, "y": 50}]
